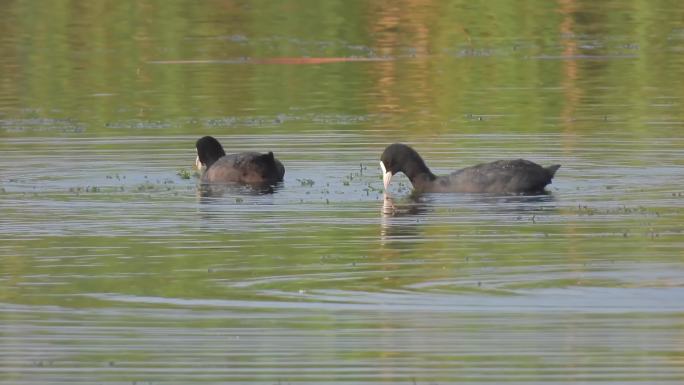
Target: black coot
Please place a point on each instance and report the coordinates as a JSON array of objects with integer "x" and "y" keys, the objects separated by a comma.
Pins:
[
  {"x": 246, "y": 167},
  {"x": 517, "y": 176}
]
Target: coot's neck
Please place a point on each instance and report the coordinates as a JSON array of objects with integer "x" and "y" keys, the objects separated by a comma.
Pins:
[
  {"x": 209, "y": 162},
  {"x": 417, "y": 171},
  {"x": 214, "y": 155}
]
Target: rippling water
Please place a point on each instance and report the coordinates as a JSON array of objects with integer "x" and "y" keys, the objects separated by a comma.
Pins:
[
  {"x": 114, "y": 269},
  {"x": 117, "y": 271}
]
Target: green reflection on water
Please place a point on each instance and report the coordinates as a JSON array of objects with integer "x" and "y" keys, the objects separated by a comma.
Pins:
[{"x": 103, "y": 69}]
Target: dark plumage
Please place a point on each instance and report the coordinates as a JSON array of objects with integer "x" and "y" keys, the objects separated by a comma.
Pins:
[
  {"x": 245, "y": 167},
  {"x": 502, "y": 176}
]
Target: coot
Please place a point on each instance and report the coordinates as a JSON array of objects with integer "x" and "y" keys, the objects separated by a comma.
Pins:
[
  {"x": 517, "y": 176},
  {"x": 245, "y": 167}
]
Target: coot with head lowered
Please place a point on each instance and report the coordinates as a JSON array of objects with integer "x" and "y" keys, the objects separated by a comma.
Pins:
[
  {"x": 517, "y": 176},
  {"x": 245, "y": 167}
]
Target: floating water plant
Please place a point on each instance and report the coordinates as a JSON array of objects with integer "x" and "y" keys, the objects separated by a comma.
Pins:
[
  {"x": 306, "y": 182},
  {"x": 184, "y": 173}
]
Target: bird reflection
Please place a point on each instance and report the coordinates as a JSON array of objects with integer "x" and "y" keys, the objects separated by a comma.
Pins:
[
  {"x": 396, "y": 220},
  {"x": 232, "y": 206},
  {"x": 414, "y": 206},
  {"x": 404, "y": 220},
  {"x": 511, "y": 204},
  {"x": 219, "y": 190}
]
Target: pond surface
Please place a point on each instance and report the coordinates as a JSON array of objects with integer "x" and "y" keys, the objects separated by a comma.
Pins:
[{"x": 115, "y": 270}]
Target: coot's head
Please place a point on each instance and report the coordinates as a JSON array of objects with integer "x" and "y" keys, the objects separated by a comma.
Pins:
[
  {"x": 399, "y": 157},
  {"x": 209, "y": 150}
]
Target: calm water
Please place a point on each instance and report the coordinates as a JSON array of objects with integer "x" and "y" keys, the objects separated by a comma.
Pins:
[{"x": 114, "y": 270}]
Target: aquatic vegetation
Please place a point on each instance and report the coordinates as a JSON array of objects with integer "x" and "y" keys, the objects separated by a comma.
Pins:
[
  {"x": 184, "y": 173},
  {"x": 306, "y": 182}
]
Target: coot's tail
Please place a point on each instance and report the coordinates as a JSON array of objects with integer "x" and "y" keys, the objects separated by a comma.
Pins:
[{"x": 552, "y": 169}]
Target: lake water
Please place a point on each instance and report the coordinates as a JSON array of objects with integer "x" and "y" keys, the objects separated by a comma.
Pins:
[{"x": 115, "y": 270}]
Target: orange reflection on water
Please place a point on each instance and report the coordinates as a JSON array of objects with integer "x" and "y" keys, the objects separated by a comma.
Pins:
[
  {"x": 571, "y": 93},
  {"x": 400, "y": 28}
]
